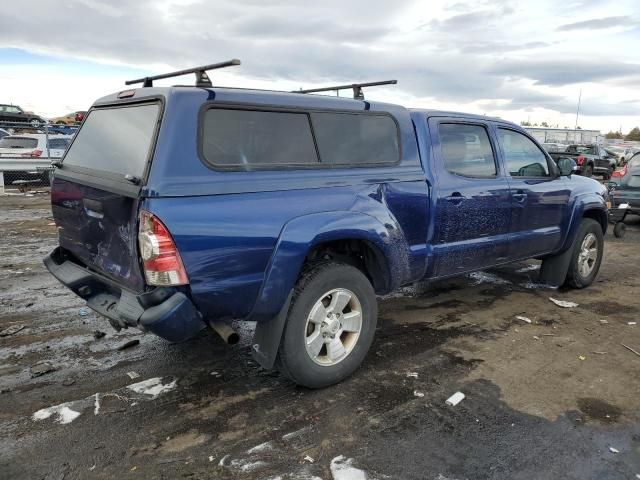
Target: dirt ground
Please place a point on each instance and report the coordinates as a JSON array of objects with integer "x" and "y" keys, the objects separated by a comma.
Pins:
[{"x": 557, "y": 398}]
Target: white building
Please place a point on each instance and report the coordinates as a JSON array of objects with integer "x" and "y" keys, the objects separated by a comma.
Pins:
[{"x": 565, "y": 135}]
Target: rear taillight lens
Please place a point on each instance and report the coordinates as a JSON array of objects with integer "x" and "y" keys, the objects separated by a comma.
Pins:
[
  {"x": 580, "y": 159},
  {"x": 620, "y": 173},
  {"x": 33, "y": 153},
  {"x": 160, "y": 257}
]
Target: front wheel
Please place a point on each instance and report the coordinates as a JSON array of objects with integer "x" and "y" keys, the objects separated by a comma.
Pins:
[
  {"x": 330, "y": 326},
  {"x": 35, "y": 123},
  {"x": 587, "y": 254}
]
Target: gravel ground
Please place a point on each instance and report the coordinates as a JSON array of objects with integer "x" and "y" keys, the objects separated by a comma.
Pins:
[{"x": 555, "y": 398}]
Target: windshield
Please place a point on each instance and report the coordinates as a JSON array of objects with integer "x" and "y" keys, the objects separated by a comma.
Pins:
[
  {"x": 18, "y": 142},
  {"x": 115, "y": 139},
  {"x": 587, "y": 150}
]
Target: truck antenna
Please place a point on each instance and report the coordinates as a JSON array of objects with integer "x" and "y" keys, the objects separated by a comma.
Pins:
[{"x": 202, "y": 79}]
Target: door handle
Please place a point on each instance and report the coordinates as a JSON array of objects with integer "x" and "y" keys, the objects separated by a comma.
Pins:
[
  {"x": 520, "y": 196},
  {"x": 456, "y": 198}
]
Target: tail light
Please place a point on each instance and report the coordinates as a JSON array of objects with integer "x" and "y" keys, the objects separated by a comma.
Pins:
[
  {"x": 580, "y": 159},
  {"x": 33, "y": 154},
  {"x": 160, "y": 257},
  {"x": 620, "y": 173}
]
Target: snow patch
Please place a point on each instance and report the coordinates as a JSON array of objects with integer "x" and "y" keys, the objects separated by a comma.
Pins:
[
  {"x": 248, "y": 466},
  {"x": 528, "y": 268},
  {"x": 485, "y": 277},
  {"x": 342, "y": 469},
  {"x": 263, "y": 447},
  {"x": 64, "y": 414},
  {"x": 297, "y": 433},
  {"x": 152, "y": 387},
  {"x": 537, "y": 286}
]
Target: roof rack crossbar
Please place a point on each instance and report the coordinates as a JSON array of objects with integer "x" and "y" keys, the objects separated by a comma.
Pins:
[
  {"x": 357, "y": 88},
  {"x": 202, "y": 79}
]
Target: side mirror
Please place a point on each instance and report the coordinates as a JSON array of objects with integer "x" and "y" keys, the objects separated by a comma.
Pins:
[{"x": 567, "y": 166}]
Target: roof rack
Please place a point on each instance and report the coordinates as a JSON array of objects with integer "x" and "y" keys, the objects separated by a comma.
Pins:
[
  {"x": 202, "y": 79},
  {"x": 357, "y": 88}
]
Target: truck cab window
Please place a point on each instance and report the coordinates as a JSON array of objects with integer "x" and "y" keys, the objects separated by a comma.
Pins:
[
  {"x": 522, "y": 157},
  {"x": 466, "y": 150}
]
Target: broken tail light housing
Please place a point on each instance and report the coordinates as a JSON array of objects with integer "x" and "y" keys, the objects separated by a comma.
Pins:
[{"x": 160, "y": 258}]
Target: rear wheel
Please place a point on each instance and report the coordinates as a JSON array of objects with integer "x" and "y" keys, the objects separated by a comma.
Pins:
[
  {"x": 35, "y": 123},
  {"x": 330, "y": 326},
  {"x": 587, "y": 254}
]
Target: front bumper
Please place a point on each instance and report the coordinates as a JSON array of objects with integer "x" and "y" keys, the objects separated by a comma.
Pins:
[{"x": 165, "y": 312}]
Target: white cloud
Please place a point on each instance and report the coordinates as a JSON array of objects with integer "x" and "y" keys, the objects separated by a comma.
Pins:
[{"x": 514, "y": 59}]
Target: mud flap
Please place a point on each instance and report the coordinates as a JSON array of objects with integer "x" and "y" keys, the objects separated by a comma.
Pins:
[
  {"x": 554, "y": 269},
  {"x": 266, "y": 338}
]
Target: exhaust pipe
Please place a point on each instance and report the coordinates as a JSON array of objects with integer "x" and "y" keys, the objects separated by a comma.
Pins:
[{"x": 228, "y": 334}]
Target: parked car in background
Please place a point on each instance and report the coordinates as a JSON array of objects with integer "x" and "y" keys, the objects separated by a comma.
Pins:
[
  {"x": 34, "y": 145},
  {"x": 634, "y": 161},
  {"x": 624, "y": 193},
  {"x": 72, "y": 118},
  {"x": 554, "y": 147},
  {"x": 10, "y": 114},
  {"x": 590, "y": 159},
  {"x": 295, "y": 210},
  {"x": 3, "y": 133},
  {"x": 617, "y": 152},
  {"x": 628, "y": 153}
]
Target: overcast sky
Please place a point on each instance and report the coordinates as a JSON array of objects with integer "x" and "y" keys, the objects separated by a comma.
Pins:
[{"x": 518, "y": 60}]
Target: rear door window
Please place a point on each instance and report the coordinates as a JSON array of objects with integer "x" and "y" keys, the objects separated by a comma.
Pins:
[
  {"x": 522, "y": 157},
  {"x": 466, "y": 150},
  {"x": 115, "y": 139},
  {"x": 252, "y": 139},
  {"x": 346, "y": 139},
  {"x": 18, "y": 142}
]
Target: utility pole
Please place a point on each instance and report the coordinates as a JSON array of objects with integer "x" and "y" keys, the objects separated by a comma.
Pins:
[{"x": 578, "y": 109}]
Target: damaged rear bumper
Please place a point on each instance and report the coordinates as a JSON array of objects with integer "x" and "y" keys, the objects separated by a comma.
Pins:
[{"x": 165, "y": 312}]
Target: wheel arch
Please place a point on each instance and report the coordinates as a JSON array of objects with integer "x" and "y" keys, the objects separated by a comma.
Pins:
[
  {"x": 378, "y": 249},
  {"x": 599, "y": 216}
]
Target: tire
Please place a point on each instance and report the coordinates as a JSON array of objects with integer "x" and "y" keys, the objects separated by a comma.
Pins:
[
  {"x": 588, "y": 171},
  {"x": 35, "y": 123},
  {"x": 318, "y": 287},
  {"x": 619, "y": 229},
  {"x": 589, "y": 234}
]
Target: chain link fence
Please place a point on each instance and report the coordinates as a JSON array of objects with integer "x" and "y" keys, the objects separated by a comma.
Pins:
[{"x": 27, "y": 150}]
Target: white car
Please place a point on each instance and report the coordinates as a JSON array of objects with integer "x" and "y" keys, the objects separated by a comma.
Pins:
[{"x": 34, "y": 145}]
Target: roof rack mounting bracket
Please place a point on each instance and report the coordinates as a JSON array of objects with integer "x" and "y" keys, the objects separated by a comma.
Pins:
[
  {"x": 202, "y": 79},
  {"x": 356, "y": 87}
]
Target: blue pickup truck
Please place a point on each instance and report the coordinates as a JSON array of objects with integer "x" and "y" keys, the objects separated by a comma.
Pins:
[{"x": 180, "y": 208}]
